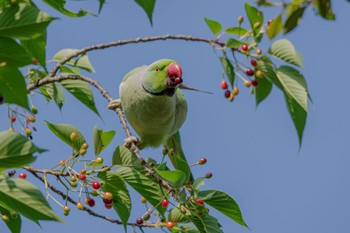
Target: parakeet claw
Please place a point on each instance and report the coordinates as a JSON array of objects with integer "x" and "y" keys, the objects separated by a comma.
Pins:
[
  {"x": 114, "y": 104},
  {"x": 129, "y": 140}
]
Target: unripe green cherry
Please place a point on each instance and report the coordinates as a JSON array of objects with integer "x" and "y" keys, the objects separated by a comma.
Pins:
[
  {"x": 73, "y": 136},
  {"x": 5, "y": 218},
  {"x": 240, "y": 19}
]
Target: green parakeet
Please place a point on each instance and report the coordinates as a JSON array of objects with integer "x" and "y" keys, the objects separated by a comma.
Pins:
[{"x": 154, "y": 105}]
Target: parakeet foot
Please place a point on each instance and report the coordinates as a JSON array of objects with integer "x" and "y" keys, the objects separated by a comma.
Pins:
[
  {"x": 129, "y": 140},
  {"x": 114, "y": 104}
]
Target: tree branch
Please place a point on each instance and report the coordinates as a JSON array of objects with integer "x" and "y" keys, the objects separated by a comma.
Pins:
[
  {"x": 88, "y": 210},
  {"x": 132, "y": 41}
]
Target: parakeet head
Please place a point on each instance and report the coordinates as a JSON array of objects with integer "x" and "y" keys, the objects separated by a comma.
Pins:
[{"x": 162, "y": 77}]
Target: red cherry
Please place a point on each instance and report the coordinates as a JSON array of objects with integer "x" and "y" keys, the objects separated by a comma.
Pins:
[
  {"x": 254, "y": 83},
  {"x": 227, "y": 93},
  {"x": 22, "y": 175},
  {"x": 269, "y": 22},
  {"x": 82, "y": 176},
  {"x": 139, "y": 221},
  {"x": 249, "y": 72},
  {"x": 108, "y": 206},
  {"x": 169, "y": 225},
  {"x": 91, "y": 202},
  {"x": 107, "y": 201},
  {"x": 95, "y": 185},
  {"x": 178, "y": 80},
  {"x": 224, "y": 85},
  {"x": 203, "y": 160},
  {"x": 12, "y": 119},
  {"x": 244, "y": 47},
  {"x": 35, "y": 61},
  {"x": 199, "y": 201},
  {"x": 253, "y": 62},
  {"x": 165, "y": 203}
]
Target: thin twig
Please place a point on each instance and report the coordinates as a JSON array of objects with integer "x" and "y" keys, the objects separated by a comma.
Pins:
[
  {"x": 132, "y": 41},
  {"x": 89, "y": 211}
]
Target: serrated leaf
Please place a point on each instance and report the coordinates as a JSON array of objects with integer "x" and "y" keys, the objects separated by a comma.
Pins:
[
  {"x": 13, "y": 54},
  {"x": 14, "y": 224},
  {"x": 275, "y": 27},
  {"x": 145, "y": 186},
  {"x": 63, "y": 132},
  {"x": 70, "y": 70},
  {"x": 59, "y": 6},
  {"x": 283, "y": 49},
  {"x": 121, "y": 198},
  {"x": 298, "y": 115},
  {"x": 213, "y": 25},
  {"x": 101, "y": 139},
  {"x": 254, "y": 16},
  {"x": 262, "y": 90},
  {"x": 175, "y": 178},
  {"x": 16, "y": 150},
  {"x": 233, "y": 43},
  {"x": 239, "y": 31},
  {"x": 148, "y": 7},
  {"x": 82, "y": 91},
  {"x": 228, "y": 68},
  {"x": 266, "y": 66},
  {"x": 37, "y": 47},
  {"x": 197, "y": 183},
  {"x": 224, "y": 203},
  {"x": 26, "y": 199},
  {"x": 122, "y": 156},
  {"x": 13, "y": 87},
  {"x": 294, "y": 84},
  {"x": 175, "y": 215},
  {"x": 23, "y": 21},
  {"x": 206, "y": 224},
  {"x": 293, "y": 20},
  {"x": 188, "y": 229},
  {"x": 82, "y": 62}
]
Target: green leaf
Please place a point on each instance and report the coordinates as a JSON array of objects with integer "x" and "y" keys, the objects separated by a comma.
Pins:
[
  {"x": 121, "y": 198},
  {"x": 183, "y": 166},
  {"x": 81, "y": 90},
  {"x": 37, "y": 47},
  {"x": 229, "y": 69},
  {"x": 214, "y": 26},
  {"x": 262, "y": 90},
  {"x": 24, "y": 198},
  {"x": 23, "y": 21},
  {"x": 233, "y": 43},
  {"x": 70, "y": 70},
  {"x": 12, "y": 54},
  {"x": 175, "y": 215},
  {"x": 145, "y": 186},
  {"x": 325, "y": 9},
  {"x": 294, "y": 19},
  {"x": 122, "y": 156},
  {"x": 239, "y": 31},
  {"x": 294, "y": 84},
  {"x": 283, "y": 49},
  {"x": 254, "y": 16},
  {"x": 81, "y": 62},
  {"x": 102, "y": 2},
  {"x": 63, "y": 132},
  {"x": 274, "y": 27},
  {"x": 55, "y": 92},
  {"x": 13, "y": 87},
  {"x": 188, "y": 229},
  {"x": 223, "y": 203},
  {"x": 14, "y": 223},
  {"x": 59, "y": 6},
  {"x": 298, "y": 115},
  {"x": 101, "y": 139},
  {"x": 148, "y": 7},
  {"x": 16, "y": 150},
  {"x": 266, "y": 66},
  {"x": 197, "y": 183},
  {"x": 206, "y": 224},
  {"x": 174, "y": 178}
]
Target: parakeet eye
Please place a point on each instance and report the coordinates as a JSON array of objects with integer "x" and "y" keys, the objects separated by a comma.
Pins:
[{"x": 156, "y": 69}]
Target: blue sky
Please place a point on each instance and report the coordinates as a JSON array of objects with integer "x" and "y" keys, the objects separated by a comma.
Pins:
[{"x": 253, "y": 153}]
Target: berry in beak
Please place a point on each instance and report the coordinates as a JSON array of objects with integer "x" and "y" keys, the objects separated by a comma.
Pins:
[{"x": 174, "y": 75}]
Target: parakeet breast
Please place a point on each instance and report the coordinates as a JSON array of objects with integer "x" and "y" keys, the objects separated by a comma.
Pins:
[{"x": 153, "y": 117}]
